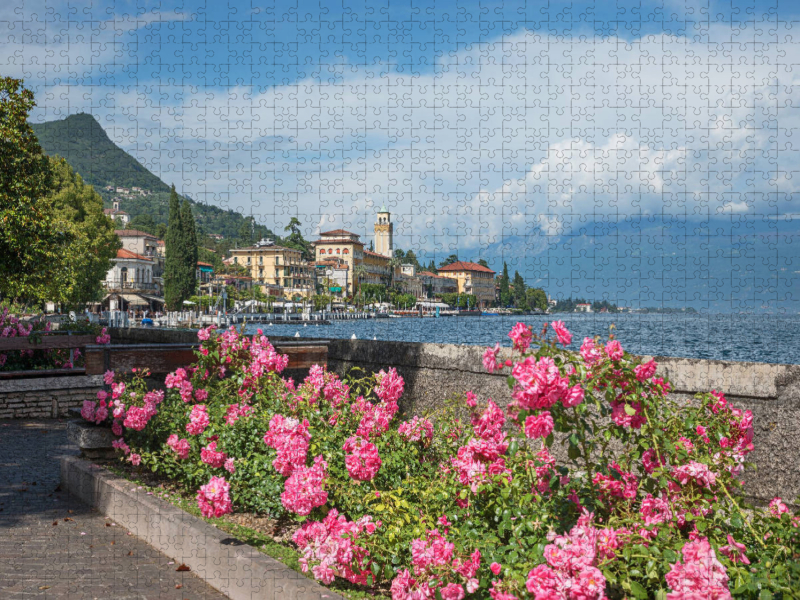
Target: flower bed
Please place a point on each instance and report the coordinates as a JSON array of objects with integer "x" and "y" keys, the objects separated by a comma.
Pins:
[{"x": 644, "y": 503}]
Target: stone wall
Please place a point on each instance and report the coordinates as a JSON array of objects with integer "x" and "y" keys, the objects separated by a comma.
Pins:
[
  {"x": 46, "y": 397},
  {"x": 434, "y": 372}
]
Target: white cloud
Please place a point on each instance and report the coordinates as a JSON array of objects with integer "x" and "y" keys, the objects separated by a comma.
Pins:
[{"x": 529, "y": 132}]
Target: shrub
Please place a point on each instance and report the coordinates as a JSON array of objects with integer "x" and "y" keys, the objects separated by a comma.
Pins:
[{"x": 591, "y": 483}]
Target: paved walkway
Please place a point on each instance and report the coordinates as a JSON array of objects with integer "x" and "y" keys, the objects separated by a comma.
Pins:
[{"x": 53, "y": 546}]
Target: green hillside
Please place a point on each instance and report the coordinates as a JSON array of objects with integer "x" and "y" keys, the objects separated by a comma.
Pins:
[{"x": 81, "y": 140}]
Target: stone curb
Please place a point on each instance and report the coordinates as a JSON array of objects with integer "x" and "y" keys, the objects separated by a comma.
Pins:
[{"x": 225, "y": 563}]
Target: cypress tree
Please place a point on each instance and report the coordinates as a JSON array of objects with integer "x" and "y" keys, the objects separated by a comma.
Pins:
[
  {"x": 190, "y": 244},
  {"x": 505, "y": 293},
  {"x": 174, "y": 248},
  {"x": 520, "y": 301}
]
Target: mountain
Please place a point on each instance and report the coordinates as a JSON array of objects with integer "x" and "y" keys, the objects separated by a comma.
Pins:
[
  {"x": 740, "y": 263},
  {"x": 81, "y": 140}
]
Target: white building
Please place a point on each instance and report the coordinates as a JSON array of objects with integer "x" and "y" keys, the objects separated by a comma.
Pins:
[
  {"x": 583, "y": 308},
  {"x": 130, "y": 283}
]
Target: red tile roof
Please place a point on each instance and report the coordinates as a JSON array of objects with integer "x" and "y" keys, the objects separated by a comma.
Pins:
[
  {"x": 376, "y": 254},
  {"x": 204, "y": 264},
  {"x": 338, "y": 241},
  {"x": 122, "y": 253},
  {"x": 429, "y": 274},
  {"x": 466, "y": 266},
  {"x": 338, "y": 232}
]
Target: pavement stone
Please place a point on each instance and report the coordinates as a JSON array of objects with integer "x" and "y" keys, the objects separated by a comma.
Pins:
[{"x": 53, "y": 546}]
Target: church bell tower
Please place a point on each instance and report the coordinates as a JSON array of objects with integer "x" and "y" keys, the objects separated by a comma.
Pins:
[{"x": 384, "y": 230}]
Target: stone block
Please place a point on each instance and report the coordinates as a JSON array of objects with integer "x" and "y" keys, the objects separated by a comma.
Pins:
[{"x": 89, "y": 437}]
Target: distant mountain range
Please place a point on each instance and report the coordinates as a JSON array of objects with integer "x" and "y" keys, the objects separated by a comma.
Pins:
[{"x": 81, "y": 140}]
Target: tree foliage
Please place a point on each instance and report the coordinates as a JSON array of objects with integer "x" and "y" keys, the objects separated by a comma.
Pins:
[
  {"x": 181, "y": 247},
  {"x": 505, "y": 290},
  {"x": 296, "y": 240},
  {"x": 30, "y": 243},
  {"x": 87, "y": 257},
  {"x": 449, "y": 260}
]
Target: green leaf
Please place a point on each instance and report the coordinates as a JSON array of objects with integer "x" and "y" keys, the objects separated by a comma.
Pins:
[
  {"x": 637, "y": 590},
  {"x": 574, "y": 453},
  {"x": 629, "y": 410}
]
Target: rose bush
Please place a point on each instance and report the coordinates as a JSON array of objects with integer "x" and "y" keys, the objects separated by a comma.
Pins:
[{"x": 591, "y": 483}]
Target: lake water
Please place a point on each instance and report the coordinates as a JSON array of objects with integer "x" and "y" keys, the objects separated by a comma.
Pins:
[{"x": 763, "y": 338}]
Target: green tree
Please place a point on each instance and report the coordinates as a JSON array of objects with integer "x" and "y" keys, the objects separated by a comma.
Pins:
[
  {"x": 482, "y": 262},
  {"x": 505, "y": 291},
  {"x": 246, "y": 232},
  {"x": 449, "y": 260},
  {"x": 432, "y": 267},
  {"x": 175, "y": 248},
  {"x": 411, "y": 259},
  {"x": 190, "y": 240},
  {"x": 31, "y": 246},
  {"x": 520, "y": 300},
  {"x": 537, "y": 299},
  {"x": 296, "y": 239},
  {"x": 78, "y": 211},
  {"x": 144, "y": 222}
]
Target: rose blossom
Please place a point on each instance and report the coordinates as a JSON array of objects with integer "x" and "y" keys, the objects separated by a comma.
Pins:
[
  {"x": 562, "y": 333},
  {"x": 361, "y": 459},
  {"x": 538, "y": 426},
  {"x": 614, "y": 350},
  {"x": 213, "y": 498},
  {"x": 198, "y": 420},
  {"x": 521, "y": 335}
]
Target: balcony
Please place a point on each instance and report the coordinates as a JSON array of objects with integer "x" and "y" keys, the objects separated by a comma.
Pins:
[{"x": 130, "y": 286}]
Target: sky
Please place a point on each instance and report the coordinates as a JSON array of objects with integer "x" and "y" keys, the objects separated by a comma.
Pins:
[{"x": 558, "y": 137}]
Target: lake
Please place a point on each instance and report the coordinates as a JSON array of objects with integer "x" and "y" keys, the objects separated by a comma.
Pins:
[{"x": 758, "y": 338}]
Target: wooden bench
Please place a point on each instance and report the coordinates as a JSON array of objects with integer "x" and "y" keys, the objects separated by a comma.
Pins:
[
  {"x": 165, "y": 358},
  {"x": 54, "y": 340}
]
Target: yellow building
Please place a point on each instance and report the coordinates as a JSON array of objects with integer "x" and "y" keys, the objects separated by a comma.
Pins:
[
  {"x": 377, "y": 268},
  {"x": 345, "y": 246},
  {"x": 472, "y": 278},
  {"x": 270, "y": 265}
]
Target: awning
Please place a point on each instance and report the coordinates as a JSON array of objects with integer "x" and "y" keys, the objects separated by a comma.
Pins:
[
  {"x": 134, "y": 299},
  {"x": 153, "y": 298}
]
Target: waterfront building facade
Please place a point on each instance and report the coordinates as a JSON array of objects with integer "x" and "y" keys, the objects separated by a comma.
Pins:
[
  {"x": 345, "y": 246},
  {"x": 377, "y": 268},
  {"x": 130, "y": 283},
  {"x": 474, "y": 279},
  {"x": 277, "y": 265},
  {"x": 434, "y": 285},
  {"x": 332, "y": 276}
]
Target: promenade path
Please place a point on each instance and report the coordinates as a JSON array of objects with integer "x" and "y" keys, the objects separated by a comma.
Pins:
[{"x": 44, "y": 555}]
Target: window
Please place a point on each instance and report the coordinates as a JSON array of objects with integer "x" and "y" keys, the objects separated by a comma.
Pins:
[
  {"x": 124, "y": 274},
  {"x": 337, "y": 251},
  {"x": 261, "y": 260},
  {"x": 236, "y": 260},
  {"x": 346, "y": 251},
  {"x": 330, "y": 250},
  {"x": 277, "y": 260}
]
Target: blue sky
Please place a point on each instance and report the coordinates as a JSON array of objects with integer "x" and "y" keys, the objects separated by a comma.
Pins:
[{"x": 481, "y": 125}]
